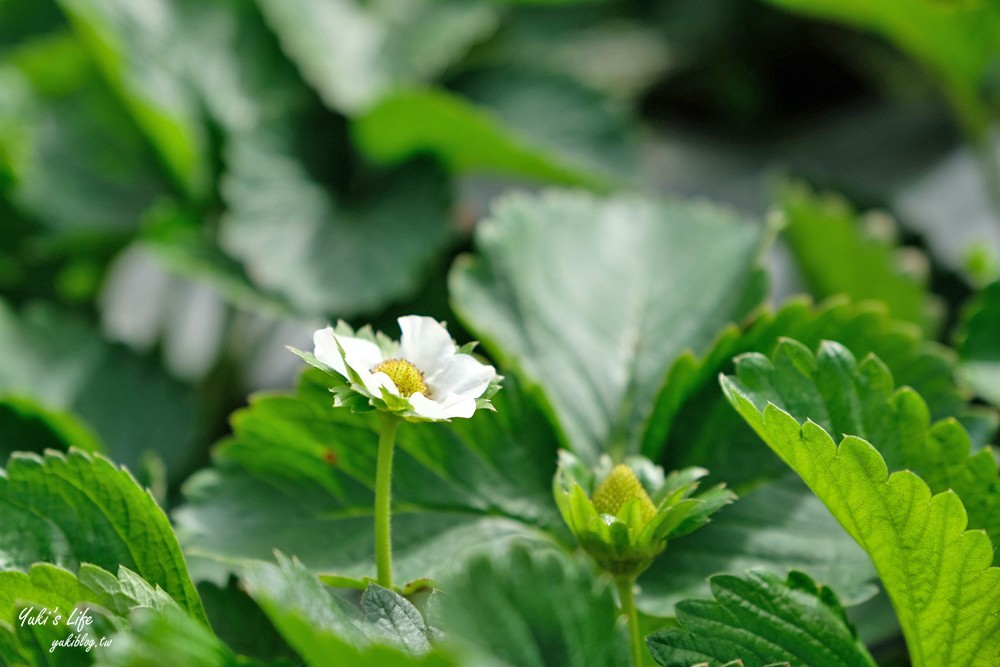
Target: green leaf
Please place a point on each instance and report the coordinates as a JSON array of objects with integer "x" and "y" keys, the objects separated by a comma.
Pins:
[
  {"x": 936, "y": 573},
  {"x": 78, "y": 508},
  {"x": 777, "y": 527},
  {"x": 839, "y": 395},
  {"x": 26, "y": 425},
  {"x": 326, "y": 630},
  {"x": 325, "y": 254},
  {"x": 140, "y": 60},
  {"x": 59, "y": 599},
  {"x": 398, "y": 622},
  {"x": 241, "y": 624},
  {"x": 355, "y": 52},
  {"x": 23, "y": 19},
  {"x": 51, "y": 586},
  {"x": 182, "y": 245},
  {"x": 697, "y": 427},
  {"x": 62, "y": 365},
  {"x": 568, "y": 121},
  {"x": 75, "y": 139},
  {"x": 466, "y": 137},
  {"x": 957, "y": 42},
  {"x": 761, "y": 620},
  {"x": 159, "y": 70},
  {"x": 531, "y": 610},
  {"x": 597, "y": 325},
  {"x": 166, "y": 637},
  {"x": 302, "y": 474},
  {"x": 979, "y": 347},
  {"x": 839, "y": 252}
]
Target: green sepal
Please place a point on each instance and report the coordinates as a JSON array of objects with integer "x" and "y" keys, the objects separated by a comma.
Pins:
[{"x": 627, "y": 543}]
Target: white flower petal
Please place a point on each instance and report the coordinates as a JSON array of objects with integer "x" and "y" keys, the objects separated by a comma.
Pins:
[
  {"x": 374, "y": 382},
  {"x": 325, "y": 350},
  {"x": 463, "y": 375},
  {"x": 360, "y": 354},
  {"x": 459, "y": 406},
  {"x": 425, "y": 407},
  {"x": 426, "y": 344},
  {"x": 452, "y": 406}
]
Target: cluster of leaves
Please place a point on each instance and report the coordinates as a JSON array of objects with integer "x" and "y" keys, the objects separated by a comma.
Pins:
[{"x": 244, "y": 169}]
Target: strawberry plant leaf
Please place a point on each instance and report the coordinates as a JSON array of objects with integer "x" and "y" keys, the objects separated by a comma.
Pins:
[
  {"x": 840, "y": 252},
  {"x": 567, "y": 120},
  {"x": 47, "y": 585},
  {"x": 129, "y": 51},
  {"x": 979, "y": 348},
  {"x": 600, "y": 368},
  {"x": 936, "y": 572},
  {"x": 64, "y": 366},
  {"x": 167, "y": 637},
  {"x": 74, "y": 137},
  {"x": 338, "y": 45},
  {"x": 398, "y": 622},
  {"x": 759, "y": 619},
  {"x": 302, "y": 474},
  {"x": 327, "y": 630},
  {"x": 59, "y": 598},
  {"x": 713, "y": 436},
  {"x": 776, "y": 527},
  {"x": 78, "y": 508},
  {"x": 325, "y": 262},
  {"x": 27, "y": 425},
  {"x": 497, "y": 606},
  {"x": 468, "y": 138},
  {"x": 843, "y": 397}
]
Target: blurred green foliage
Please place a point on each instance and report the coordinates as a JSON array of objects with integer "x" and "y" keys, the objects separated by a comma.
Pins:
[{"x": 186, "y": 186}]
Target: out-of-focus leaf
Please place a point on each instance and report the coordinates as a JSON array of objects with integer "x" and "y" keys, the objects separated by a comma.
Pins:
[
  {"x": 25, "y": 19},
  {"x": 936, "y": 572},
  {"x": 694, "y": 426},
  {"x": 78, "y": 508},
  {"x": 761, "y": 620},
  {"x": 137, "y": 47},
  {"x": 839, "y": 252},
  {"x": 618, "y": 53},
  {"x": 240, "y": 623},
  {"x": 500, "y": 606},
  {"x": 80, "y": 164},
  {"x": 27, "y": 425},
  {"x": 597, "y": 324},
  {"x": 127, "y": 403},
  {"x": 957, "y": 42},
  {"x": 167, "y": 637},
  {"x": 185, "y": 247},
  {"x": 355, "y": 52},
  {"x": 572, "y": 123},
  {"x": 777, "y": 527},
  {"x": 467, "y": 138},
  {"x": 181, "y": 66},
  {"x": 979, "y": 344},
  {"x": 298, "y": 475},
  {"x": 323, "y": 255}
]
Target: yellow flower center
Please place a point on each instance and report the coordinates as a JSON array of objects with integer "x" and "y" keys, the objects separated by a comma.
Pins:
[
  {"x": 620, "y": 487},
  {"x": 407, "y": 377}
]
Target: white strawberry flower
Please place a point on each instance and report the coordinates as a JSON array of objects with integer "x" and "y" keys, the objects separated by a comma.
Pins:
[{"x": 424, "y": 376}]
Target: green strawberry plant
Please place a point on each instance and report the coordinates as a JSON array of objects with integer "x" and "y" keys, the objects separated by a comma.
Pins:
[{"x": 466, "y": 387}]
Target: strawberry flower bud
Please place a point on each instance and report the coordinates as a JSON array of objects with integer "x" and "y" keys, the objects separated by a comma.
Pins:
[{"x": 623, "y": 515}]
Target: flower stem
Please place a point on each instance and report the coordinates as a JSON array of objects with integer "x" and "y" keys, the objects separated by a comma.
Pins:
[
  {"x": 383, "y": 499},
  {"x": 626, "y": 584}
]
